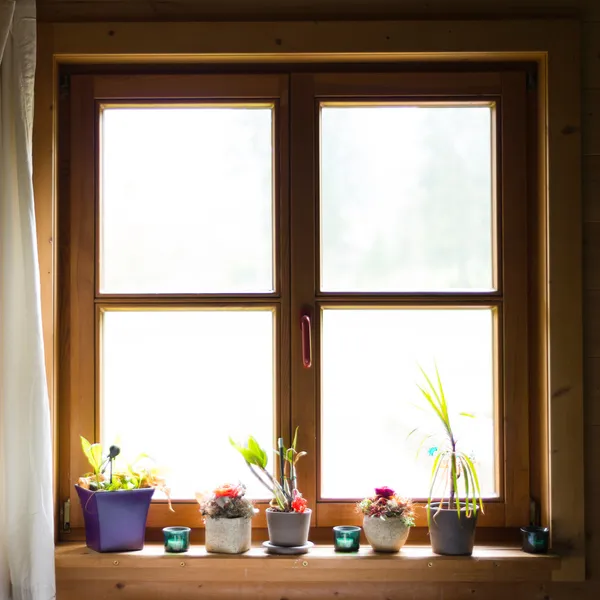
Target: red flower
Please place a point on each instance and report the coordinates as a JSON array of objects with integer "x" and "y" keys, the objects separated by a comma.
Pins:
[
  {"x": 384, "y": 492},
  {"x": 228, "y": 490},
  {"x": 299, "y": 503}
]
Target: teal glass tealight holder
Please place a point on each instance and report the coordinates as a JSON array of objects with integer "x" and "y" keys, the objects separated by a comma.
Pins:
[
  {"x": 346, "y": 538},
  {"x": 535, "y": 539},
  {"x": 177, "y": 539}
]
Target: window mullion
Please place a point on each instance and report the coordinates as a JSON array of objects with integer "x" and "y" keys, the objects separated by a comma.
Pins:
[{"x": 303, "y": 265}]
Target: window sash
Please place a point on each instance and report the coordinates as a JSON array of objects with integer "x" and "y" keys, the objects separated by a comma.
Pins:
[{"x": 508, "y": 91}]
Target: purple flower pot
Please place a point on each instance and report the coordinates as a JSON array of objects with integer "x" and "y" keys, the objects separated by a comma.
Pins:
[{"x": 115, "y": 521}]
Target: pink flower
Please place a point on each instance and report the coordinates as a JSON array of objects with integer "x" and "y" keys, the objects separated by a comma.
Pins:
[{"x": 384, "y": 492}]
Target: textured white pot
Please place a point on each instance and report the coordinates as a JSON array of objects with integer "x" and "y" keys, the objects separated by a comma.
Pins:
[
  {"x": 228, "y": 536},
  {"x": 385, "y": 535}
]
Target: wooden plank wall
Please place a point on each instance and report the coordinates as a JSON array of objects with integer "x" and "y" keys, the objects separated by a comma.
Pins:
[
  {"x": 62, "y": 10},
  {"x": 591, "y": 279}
]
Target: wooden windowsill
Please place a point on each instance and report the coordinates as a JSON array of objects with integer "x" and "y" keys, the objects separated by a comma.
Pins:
[{"x": 74, "y": 561}]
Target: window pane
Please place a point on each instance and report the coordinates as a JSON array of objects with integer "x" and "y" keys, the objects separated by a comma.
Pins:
[
  {"x": 406, "y": 198},
  {"x": 187, "y": 200},
  {"x": 370, "y": 401},
  {"x": 176, "y": 384}
]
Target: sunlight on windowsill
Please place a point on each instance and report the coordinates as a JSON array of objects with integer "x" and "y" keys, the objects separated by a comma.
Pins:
[{"x": 322, "y": 563}]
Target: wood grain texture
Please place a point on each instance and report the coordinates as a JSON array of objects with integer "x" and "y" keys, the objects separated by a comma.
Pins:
[
  {"x": 591, "y": 318},
  {"x": 515, "y": 277},
  {"x": 591, "y": 188},
  {"x": 591, "y": 122},
  {"x": 592, "y": 406},
  {"x": 102, "y": 10},
  {"x": 303, "y": 280},
  {"x": 76, "y": 318},
  {"x": 591, "y": 255},
  {"x": 112, "y": 588},
  {"x": 591, "y": 54},
  {"x": 322, "y": 564},
  {"x": 592, "y": 489}
]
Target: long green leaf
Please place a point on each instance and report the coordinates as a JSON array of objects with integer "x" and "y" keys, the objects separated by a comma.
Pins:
[
  {"x": 254, "y": 448},
  {"x": 466, "y": 486},
  {"x": 442, "y": 396},
  {"x": 249, "y": 456},
  {"x": 427, "y": 437},
  {"x": 433, "y": 405},
  {"x": 473, "y": 489},
  {"x": 475, "y": 479},
  {"x": 435, "y": 469},
  {"x": 85, "y": 446},
  {"x": 440, "y": 409},
  {"x": 96, "y": 457},
  {"x": 295, "y": 441},
  {"x": 432, "y": 388}
]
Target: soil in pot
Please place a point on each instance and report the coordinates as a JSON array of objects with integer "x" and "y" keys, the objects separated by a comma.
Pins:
[
  {"x": 288, "y": 529},
  {"x": 385, "y": 535},
  {"x": 228, "y": 536},
  {"x": 451, "y": 535},
  {"x": 115, "y": 521}
]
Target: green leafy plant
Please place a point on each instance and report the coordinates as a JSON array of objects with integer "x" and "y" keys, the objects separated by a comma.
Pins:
[
  {"x": 141, "y": 473},
  {"x": 386, "y": 504},
  {"x": 286, "y": 497},
  {"x": 228, "y": 501},
  {"x": 454, "y": 469}
]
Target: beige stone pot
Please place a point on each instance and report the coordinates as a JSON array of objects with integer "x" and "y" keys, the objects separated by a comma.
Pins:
[
  {"x": 228, "y": 536},
  {"x": 385, "y": 535}
]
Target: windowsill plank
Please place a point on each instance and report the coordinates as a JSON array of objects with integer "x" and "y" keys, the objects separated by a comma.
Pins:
[{"x": 74, "y": 561}]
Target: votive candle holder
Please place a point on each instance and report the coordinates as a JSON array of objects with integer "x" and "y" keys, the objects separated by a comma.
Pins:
[
  {"x": 535, "y": 539},
  {"x": 346, "y": 538},
  {"x": 177, "y": 539}
]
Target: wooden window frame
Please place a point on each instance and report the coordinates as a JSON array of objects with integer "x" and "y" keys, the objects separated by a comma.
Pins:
[
  {"x": 82, "y": 303},
  {"x": 553, "y": 46}
]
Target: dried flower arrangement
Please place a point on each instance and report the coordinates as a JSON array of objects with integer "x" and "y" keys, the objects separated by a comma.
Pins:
[
  {"x": 386, "y": 504},
  {"x": 228, "y": 501}
]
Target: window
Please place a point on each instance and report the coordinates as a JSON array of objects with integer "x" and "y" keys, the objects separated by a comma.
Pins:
[{"x": 207, "y": 216}]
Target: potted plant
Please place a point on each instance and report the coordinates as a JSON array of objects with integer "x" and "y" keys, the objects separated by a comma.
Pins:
[
  {"x": 288, "y": 518},
  {"x": 452, "y": 520},
  {"x": 115, "y": 504},
  {"x": 227, "y": 519},
  {"x": 387, "y": 519}
]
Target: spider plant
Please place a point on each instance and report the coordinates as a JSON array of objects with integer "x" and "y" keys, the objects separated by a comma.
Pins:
[{"x": 451, "y": 467}]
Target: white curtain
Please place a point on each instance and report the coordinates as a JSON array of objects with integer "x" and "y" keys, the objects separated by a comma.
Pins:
[{"x": 26, "y": 511}]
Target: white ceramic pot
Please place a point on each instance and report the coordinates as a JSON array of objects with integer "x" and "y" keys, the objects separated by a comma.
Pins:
[
  {"x": 228, "y": 536},
  {"x": 385, "y": 535}
]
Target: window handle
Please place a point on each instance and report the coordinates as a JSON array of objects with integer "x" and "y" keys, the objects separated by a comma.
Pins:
[{"x": 306, "y": 341}]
